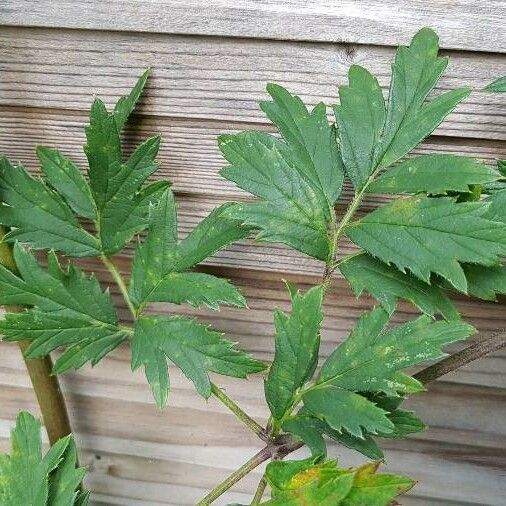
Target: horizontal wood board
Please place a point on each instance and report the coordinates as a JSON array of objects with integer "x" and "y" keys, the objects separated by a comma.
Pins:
[{"x": 210, "y": 66}]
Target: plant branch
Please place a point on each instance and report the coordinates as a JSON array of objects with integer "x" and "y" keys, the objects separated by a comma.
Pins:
[
  {"x": 277, "y": 448},
  {"x": 119, "y": 281},
  {"x": 239, "y": 413},
  {"x": 260, "y": 457},
  {"x": 45, "y": 384},
  {"x": 455, "y": 361}
]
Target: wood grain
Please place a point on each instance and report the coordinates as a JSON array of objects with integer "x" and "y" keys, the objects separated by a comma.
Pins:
[
  {"x": 55, "y": 54},
  {"x": 135, "y": 452},
  {"x": 212, "y": 78},
  {"x": 189, "y": 155},
  {"x": 461, "y": 24}
]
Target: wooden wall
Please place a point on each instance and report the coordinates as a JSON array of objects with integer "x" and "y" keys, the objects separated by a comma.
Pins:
[{"x": 211, "y": 61}]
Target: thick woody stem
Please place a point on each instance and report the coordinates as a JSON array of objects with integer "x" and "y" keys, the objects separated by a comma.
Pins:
[
  {"x": 451, "y": 363},
  {"x": 46, "y": 386}
]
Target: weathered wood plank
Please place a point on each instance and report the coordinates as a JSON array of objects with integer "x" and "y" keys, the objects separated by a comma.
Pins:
[
  {"x": 210, "y": 78},
  {"x": 124, "y": 440},
  {"x": 461, "y": 24},
  {"x": 189, "y": 156}
]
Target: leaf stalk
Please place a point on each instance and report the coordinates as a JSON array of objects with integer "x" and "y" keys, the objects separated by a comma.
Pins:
[
  {"x": 239, "y": 413},
  {"x": 118, "y": 279}
]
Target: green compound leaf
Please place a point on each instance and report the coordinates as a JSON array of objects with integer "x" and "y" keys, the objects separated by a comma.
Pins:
[
  {"x": 191, "y": 346},
  {"x": 371, "y": 358},
  {"x": 39, "y": 216},
  {"x": 298, "y": 178},
  {"x": 299, "y": 483},
  {"x": 342, "y": 409},
  {"x": 116, "y": 198},
  {"x": 387, "y": 284},
  {"x": 428, "y": 235},
  {"x": 374, "y": 137},
  {"x": 160, "y": 261},
  {"x": 497, "y": 86},
  {"x": 436, "y": 174},
  {"x": 360, "y": 119},
  {"x": 297, "y": 344},
  {"x": 311, "y": 139},
  {"x": 70, "y": 311},
  {"x": 66, "y": 178},
  {"x": 28, "y": 478}
]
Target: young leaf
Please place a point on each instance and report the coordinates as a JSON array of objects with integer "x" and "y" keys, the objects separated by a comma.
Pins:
[
  {"x": 497, "y": 86},
  {"x": 415, "y": 72},
  {"x": 343, "y": 409},
  {"x": 428, "y": 235},
  {"x": 436, "y": 174},
  {"x": 39, "y": 216},
  {"x": 297, "y": 345},
  {"x": 160, "y": 261},
  {"x": 194, "y": 348},
  {"x": 292, "y": 474},
  {"x": 387, "y": 284},
  {"x": 360, "y": 119},
  {"x": 295, "y": 483},
  {"x": 66, "y": 178},
  {"x": 311, "y": 139},
  {"x": 28, "y": 478},
  {"x": 375, "y": 489},
  {"x": 70, "y": 311},
  {"x": 294, "y": 210},
  {"x": 371, "y": 358}
]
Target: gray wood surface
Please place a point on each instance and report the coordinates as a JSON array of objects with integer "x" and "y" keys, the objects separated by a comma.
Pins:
[
  {"x": 211, "y": 62},
  {"x": 462, "y": 24}
]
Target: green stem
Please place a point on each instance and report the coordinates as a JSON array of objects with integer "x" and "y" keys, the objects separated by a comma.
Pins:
[
  {"x": 255, "y": 461},
  {"x": 259, "y": 492},
  {"x": 238, "y": 412},
  {"x": 119, "y": 281},
  {"x": 218, "y": 393},
  {"x": 330, "y": 266}
]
